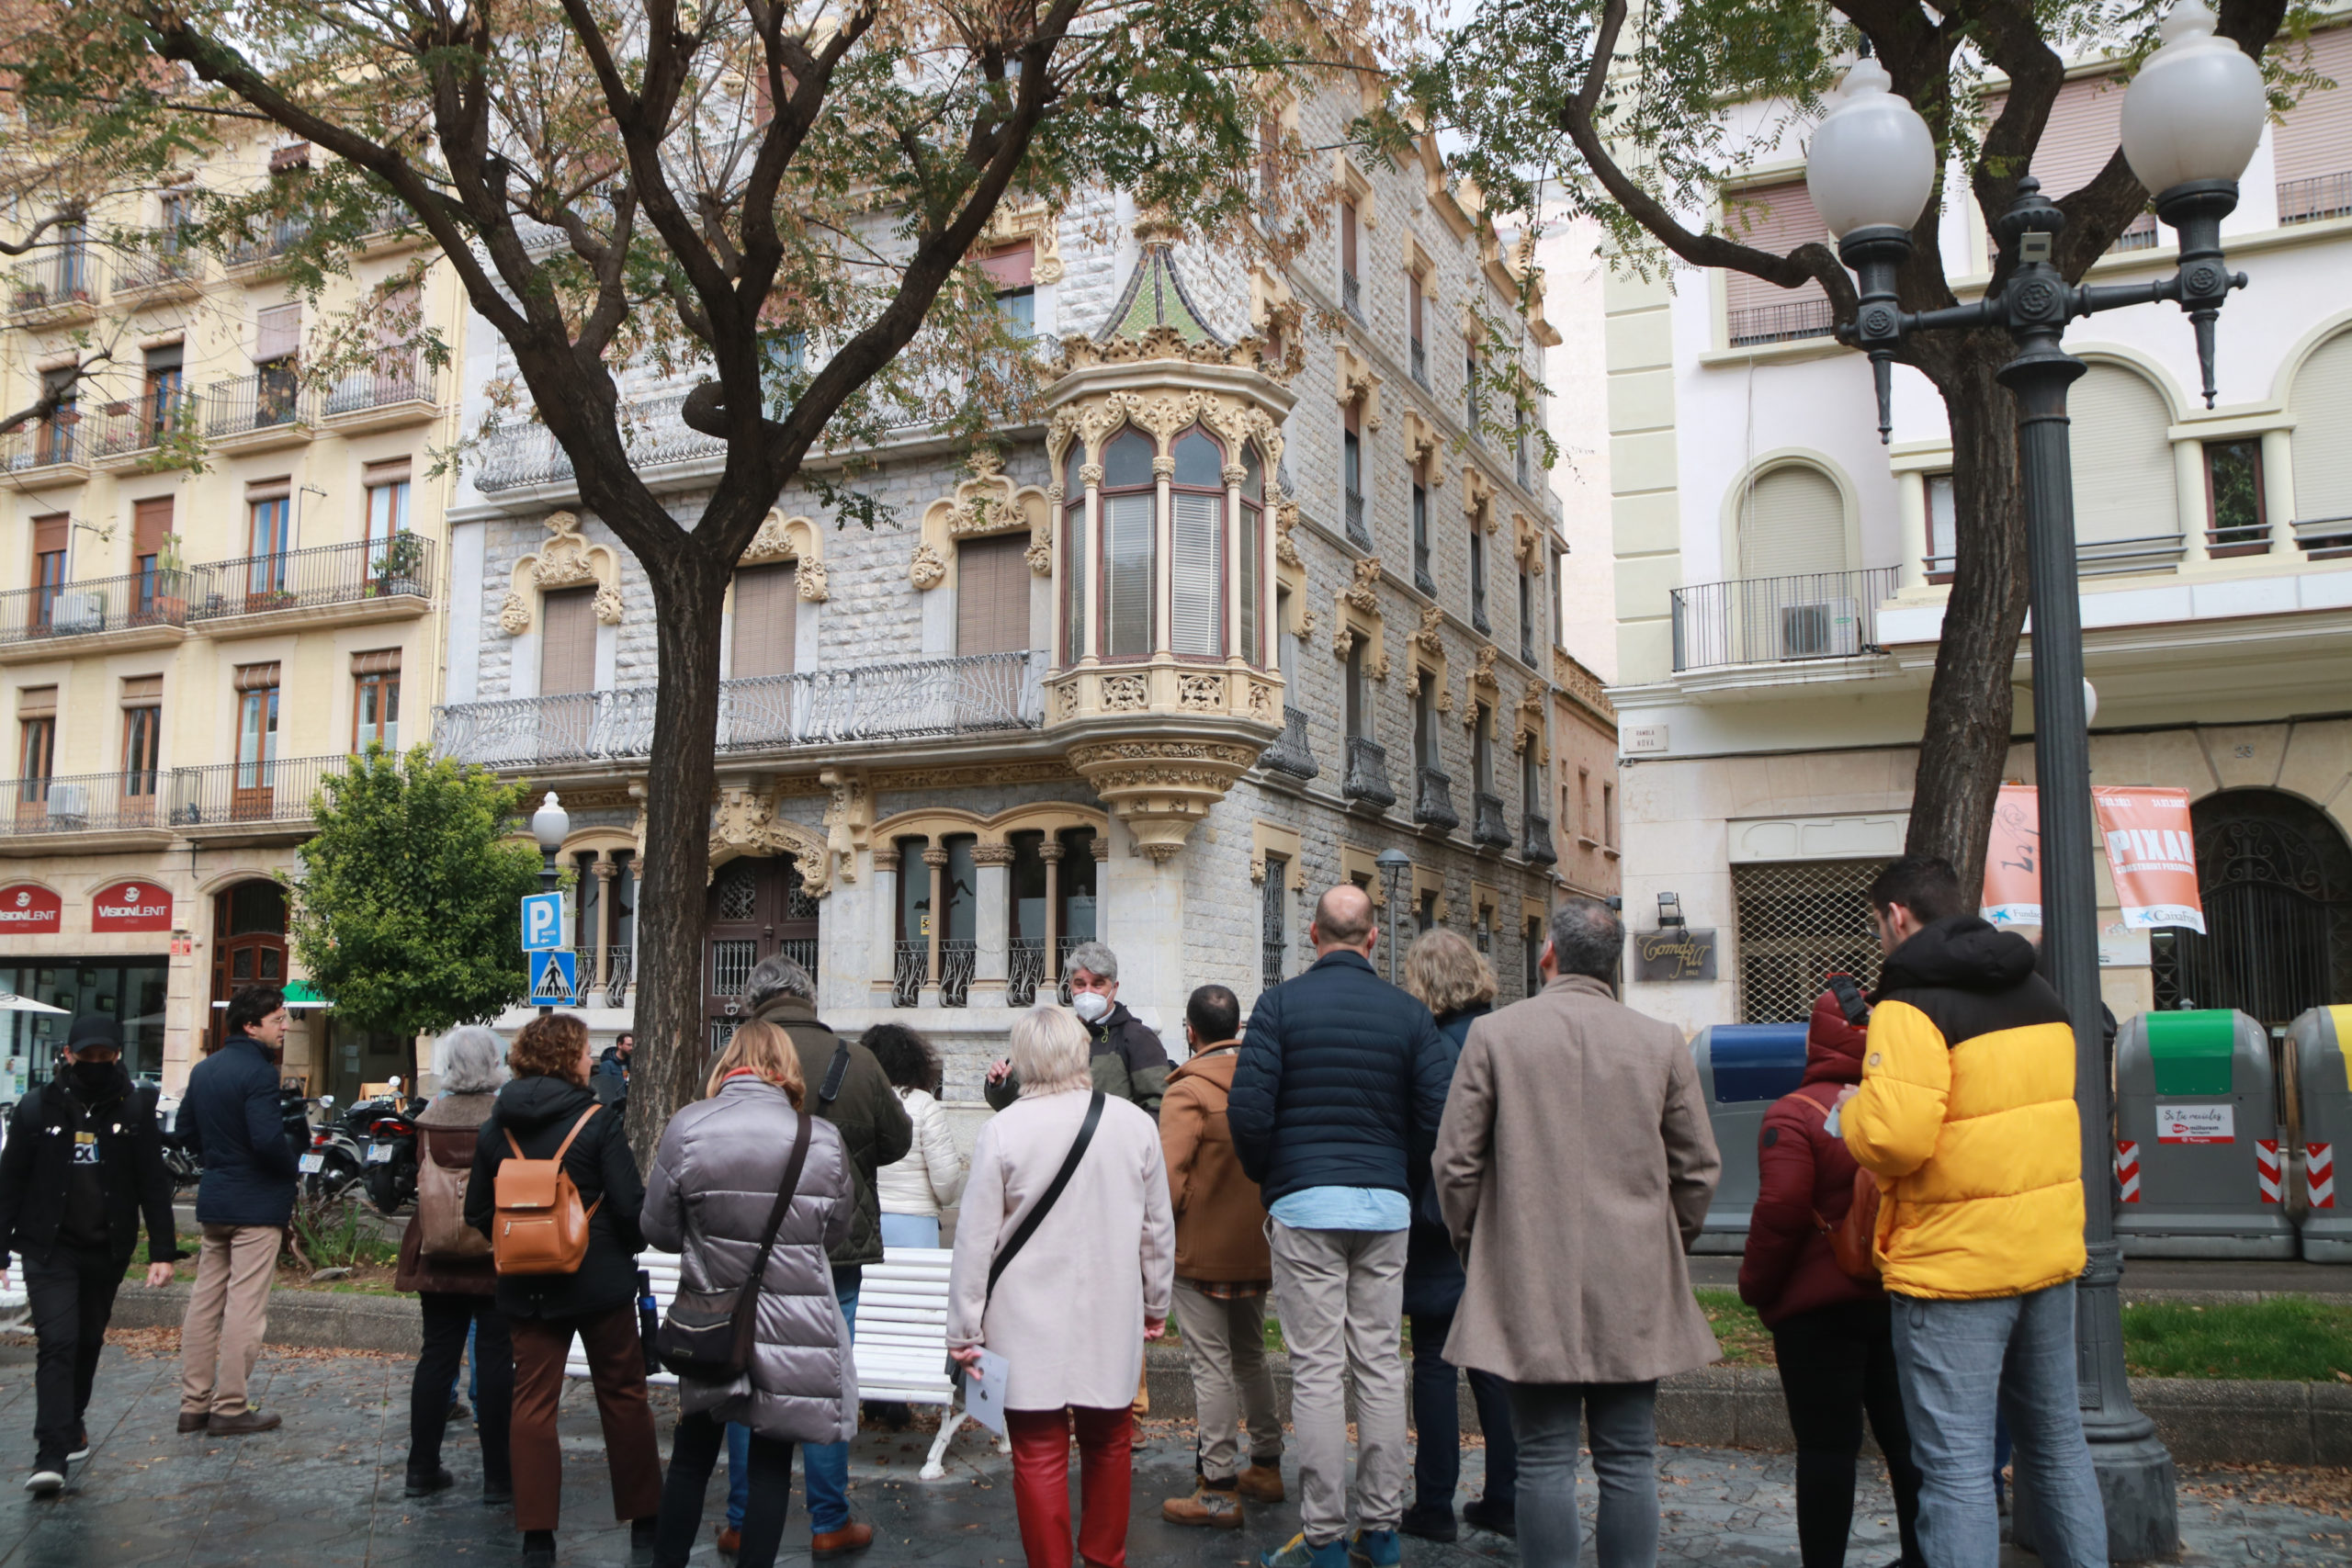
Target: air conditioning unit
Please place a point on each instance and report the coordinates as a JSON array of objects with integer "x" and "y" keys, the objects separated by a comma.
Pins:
[
  {"x": 71, "y": 612},
  {"x": 69, "y": 804},
  {"x": 1830, "y": 629}
]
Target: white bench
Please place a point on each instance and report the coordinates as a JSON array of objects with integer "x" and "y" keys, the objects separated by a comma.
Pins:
[{"x": 900, "y": 1348}]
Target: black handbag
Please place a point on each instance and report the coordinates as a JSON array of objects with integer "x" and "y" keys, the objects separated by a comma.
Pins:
[
  {"x": 1034, "y": 1218},
  {"x": 707, "y": 1334}
]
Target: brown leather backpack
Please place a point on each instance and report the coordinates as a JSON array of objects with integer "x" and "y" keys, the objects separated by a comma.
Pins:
[
  {"x": 541, "y": 1227},
  {"x": 1852, "y": 1238},
  {"x": 442, "y": 1233}
]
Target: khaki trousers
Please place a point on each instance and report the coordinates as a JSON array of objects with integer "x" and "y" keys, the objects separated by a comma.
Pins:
[
  {"x": 1341, "y": 1296},
  {"x": 1225, "y": 1341},
  {"x": 227, "y": 1315}
]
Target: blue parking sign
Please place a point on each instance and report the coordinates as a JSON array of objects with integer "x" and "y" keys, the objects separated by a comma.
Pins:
[
  {"x": 555, "y": 976},
  {"x": 542, "y": 921}
]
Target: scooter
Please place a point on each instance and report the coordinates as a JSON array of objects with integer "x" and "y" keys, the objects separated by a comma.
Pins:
[
  {"x": 331, "y": 1164},
  {"x": 389, "y": 1159},
  {"x": 179, "y": 1160}
]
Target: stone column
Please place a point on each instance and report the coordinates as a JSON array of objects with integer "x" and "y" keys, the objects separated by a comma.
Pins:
[
  {"x": 1163, "y": 535},
  {"x": 1140, "y": 914},
  {"x": 2190, "y": 501},
  {"x": 992, "y": 924},
  {"x": 1051, "y": 851},
  {"x": 886, "y": 923},
  {"x": 2278, "y": 493},
  {"x": 935, "y": 857},
  {"x": 1090, "y": 553},
  {"x": 1234, "y": 474},
  {"x": 604, "y": 968}
]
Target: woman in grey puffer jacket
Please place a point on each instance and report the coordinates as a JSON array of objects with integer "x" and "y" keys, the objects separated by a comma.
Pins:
[{"x": 712, "y": 1188}]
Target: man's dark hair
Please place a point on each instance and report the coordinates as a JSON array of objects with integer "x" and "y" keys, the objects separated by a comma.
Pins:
[
  {"x": 1925, "y": 885},
  {"x": 1587, "y": 939},
  {"x": 1214, "y": 1013},
  {"x": 907, "y": 1058},
  {"x": 250, "y": 1005}
]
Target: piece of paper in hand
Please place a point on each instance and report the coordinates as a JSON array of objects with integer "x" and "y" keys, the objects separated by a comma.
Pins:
[
  {"x": 984, "y": 1385},
  {"x": 1831, "y": 1124}
]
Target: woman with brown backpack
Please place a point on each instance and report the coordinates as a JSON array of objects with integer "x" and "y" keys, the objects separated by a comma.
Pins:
[
  {"x": 446, "y": 1262},
  {"x": 1807, "y": 1272},
  {"x": 555, "y": 1190}
]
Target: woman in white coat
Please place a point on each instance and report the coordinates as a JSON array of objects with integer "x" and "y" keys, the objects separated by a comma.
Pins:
[
  {"x": 915, "y": 1189},
  {"x": 1073, "y": 1310}
]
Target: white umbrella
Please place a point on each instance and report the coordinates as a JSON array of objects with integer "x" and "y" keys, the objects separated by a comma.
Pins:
[{"x": 11, "y": 1002}]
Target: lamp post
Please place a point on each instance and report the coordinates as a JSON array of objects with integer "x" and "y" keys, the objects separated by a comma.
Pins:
[
  {"x": 2190, "y": 121},
  {"x": 1393, "y": 864},
  {"x": 550, "y": 825}
]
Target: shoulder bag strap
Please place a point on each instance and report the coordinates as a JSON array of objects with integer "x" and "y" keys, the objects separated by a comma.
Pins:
[
  {"x": 564, "y": 1148},
  {"x": 1037, "y": 1212},
  {"x": 830, "y": 1089},
  {"x": 790, "y": 1184}
]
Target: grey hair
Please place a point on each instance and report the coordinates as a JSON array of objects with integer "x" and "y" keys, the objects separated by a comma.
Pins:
[
  {"x": 1094, "y": 958},
  {"x": 1049, "y": 1051},
  {"x": 773, "y": 976},
  {"x": 1587, "y": 938},
  {"x": 469, "y": 1059}
]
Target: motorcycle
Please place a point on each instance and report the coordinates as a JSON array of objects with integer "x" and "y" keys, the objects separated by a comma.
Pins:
[
  {"x": 179, "y": 1159},
  {"x": 331, "y": 1159},
  {"x": 389, "y": 1159}
]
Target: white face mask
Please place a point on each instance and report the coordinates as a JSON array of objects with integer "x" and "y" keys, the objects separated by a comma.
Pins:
[{"x": 1091, "y": 1006}]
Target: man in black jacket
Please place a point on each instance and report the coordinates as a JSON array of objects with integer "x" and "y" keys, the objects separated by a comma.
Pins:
[
  {"x": 230, "y": 1117},
  {"x": 81, "y": 1164},
  {"x": 1125, "y": 1057},
  {"x": 1336, "y": 1101}
]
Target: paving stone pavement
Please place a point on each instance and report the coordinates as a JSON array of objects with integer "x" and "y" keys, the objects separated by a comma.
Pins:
[{"x": 325, "y": 1493}]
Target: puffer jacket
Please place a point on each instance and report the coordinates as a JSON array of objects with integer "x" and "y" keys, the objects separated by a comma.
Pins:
[
  {"x": 1806, "y": 1180},
  {"x": 1967, "y": 1111},
  {"x": 539, "y": 1111},
  {"x": 448, "y": 1130},
  {"x": 713, "y": 1184},
  {"x": 1342, "y": 1082},
  {"x": 1434, "y": 1277},
  {"x": 1125, "y": 1058},
  {"x": 874, "y": 1126},
  {"x": 932, "y": 1174}
]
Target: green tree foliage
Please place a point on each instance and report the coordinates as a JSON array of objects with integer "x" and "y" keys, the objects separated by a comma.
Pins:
[{"x": 405, "y": 911}]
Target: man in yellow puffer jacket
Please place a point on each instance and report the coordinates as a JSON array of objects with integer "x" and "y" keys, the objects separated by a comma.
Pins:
[{"x": 1966, "y": 1112}]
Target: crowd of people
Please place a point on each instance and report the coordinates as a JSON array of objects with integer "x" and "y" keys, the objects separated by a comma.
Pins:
[{"x": 1424, "y": 1188}]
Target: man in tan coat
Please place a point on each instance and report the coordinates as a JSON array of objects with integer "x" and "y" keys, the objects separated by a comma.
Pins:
[
  {"x": 1223, "y": 1271},
  {"x": 1574, "y": 1150}
]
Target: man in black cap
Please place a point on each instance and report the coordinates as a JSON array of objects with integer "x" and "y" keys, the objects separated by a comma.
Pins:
[{"x": 81, "y": 1164}]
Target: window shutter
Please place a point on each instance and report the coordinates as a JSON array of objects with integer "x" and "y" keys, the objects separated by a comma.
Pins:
[
  {"x": 258, "y": 677},
  {"x": 567, "y": 641},
  {"x": 2322, "y": 439},
  {"x": 993, "y": 596},
  {"x": 278, "y": 489},
  {"x": 49, "y": 533},
  {"x": 2086, "y": 127},
  {"x": 1792, "y": 523},
  {"x": 36, "y": 702},
  {"x": 1779, "y": 218},
  {"x": 279, "y": 334},
  {"x": 394, "y": 472},
  {"x": 1197, "y": 574},
  {"x": 2315, "y": 139},
  {"x": 1126, "y": 574},
  {"x": 2123, "y": 484},
  {"x": 767, "y": 603},
  {"x": 377, "y": 662},
  {"x": 1014, "y": 268},
  {"x": 150, "y": 521},
  {"x": 396, "y": 315},
  {"x": 141, "y": 691}
]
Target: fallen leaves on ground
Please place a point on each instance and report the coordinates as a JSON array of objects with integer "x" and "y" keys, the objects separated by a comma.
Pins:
[{"x": 2319, "y": 1489}]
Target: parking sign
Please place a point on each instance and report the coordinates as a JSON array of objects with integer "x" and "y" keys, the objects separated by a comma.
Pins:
[{"x": 542, "y": 921}]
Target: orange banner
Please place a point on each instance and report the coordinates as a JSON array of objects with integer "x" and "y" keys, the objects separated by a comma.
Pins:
[
  {"x": 2013, "y": 859},
  {"x": 2151, "y": 855}
]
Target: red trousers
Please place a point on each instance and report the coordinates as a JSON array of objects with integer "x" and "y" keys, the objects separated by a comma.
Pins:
[{"x": 1041, "y": 1484}]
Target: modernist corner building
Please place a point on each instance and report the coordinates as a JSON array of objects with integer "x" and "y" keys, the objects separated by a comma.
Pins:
[
  {"x": 1781, "y": 584},
  {"x": 1249, "y": 605}
]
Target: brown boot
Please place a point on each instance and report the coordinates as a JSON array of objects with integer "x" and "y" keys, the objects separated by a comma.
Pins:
[
  {"x": 194, "y": 1421},
  {"x": 243, "y": 1423},
  {"x": 1262, "y": 1484},
  {"x": 1216, "y": 1506},
  {"x": 842, "y": 1542},
  {"x": 730, "y": 1541}
]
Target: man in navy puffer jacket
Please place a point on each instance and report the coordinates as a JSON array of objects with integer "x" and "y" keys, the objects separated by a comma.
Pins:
[{"x": 1337, "y": 1098}]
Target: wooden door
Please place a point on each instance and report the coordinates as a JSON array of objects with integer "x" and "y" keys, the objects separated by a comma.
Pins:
[{"x": 758, "y": 909}]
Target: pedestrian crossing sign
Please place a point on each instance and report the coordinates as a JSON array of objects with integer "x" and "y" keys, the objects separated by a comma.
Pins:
[{"x": 555, "y": 976}]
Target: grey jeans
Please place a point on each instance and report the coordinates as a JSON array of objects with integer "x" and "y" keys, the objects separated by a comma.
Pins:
[
  {"x": 1622, "y": 1418},
  {"x": 1341, "y": 1297},
  {"x": 1225, "y": 1342}
]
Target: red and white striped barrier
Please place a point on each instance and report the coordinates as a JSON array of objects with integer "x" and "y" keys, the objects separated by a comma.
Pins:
[
  {"x": 2265, "y": 1168},
  {"x": 2127, "y": 1171},
  {"x": 2319, "y": 1175}
]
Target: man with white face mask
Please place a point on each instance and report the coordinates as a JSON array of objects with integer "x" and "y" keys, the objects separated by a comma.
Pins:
[{"x": 1128, "y": 1060}]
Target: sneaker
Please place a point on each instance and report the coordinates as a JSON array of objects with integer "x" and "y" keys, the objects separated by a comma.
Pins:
[
  {"x": 642, "y": 1535},
  {"x": 1260, "y": 1484},
  {"x": 1494, "y": 1517},
  {"x": 1430, "y": 1524},
  {"x": 81, "y": 1446},
  {"x": 1376, "y": 1549},
  {"x": 1216, "y": 1506},
  {"x": 47, "y": 1480},
  {"x": 1296, "y": 1553}
]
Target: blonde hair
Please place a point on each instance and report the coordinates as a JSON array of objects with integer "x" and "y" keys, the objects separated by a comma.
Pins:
[
  {"x": 767, "y": 1051},
  {"x": 1049, "y": 1052},
  {"x": 1446, "y": 973}
]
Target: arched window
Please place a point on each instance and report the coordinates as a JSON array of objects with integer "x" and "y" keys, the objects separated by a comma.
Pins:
[
  {"x": 1130, "y": 553},
  {"x": 1253, "y": 508},
  {"x": 2322, "y": 401},
  {"x": 1792, "y": 524},
  {"x": 2123, "y": 468},
  {"x": 1073, "y": 556},
  {"x": 1196, "y": 532}
]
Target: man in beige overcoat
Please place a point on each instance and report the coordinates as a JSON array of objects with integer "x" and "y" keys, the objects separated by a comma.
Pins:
[{"x": 1574, "y": 1165}]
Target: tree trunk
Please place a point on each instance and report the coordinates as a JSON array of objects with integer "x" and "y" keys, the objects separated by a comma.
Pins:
[
  {"x": 1965, "y": 743},
  {"x": 672, "y": 884}
]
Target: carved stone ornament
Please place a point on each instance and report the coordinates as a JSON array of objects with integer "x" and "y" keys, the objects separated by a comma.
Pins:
[
  {"x": 513, "y": 613},
  {"x": 567, "y": 560},
  {"x": 1092, "y": 421},
  {"x": 1529, "y": 727},
  {"x": 849, "y": 813},
  {"x": 1363, "y": 593},
  {"x": 1529, "y": 544},
  {"x": 1036, "y": 223},
  {"x": 1429, "y": 636},
  {"x": 928, "y": 569},
  {"x": 563, "y": 560},
  {"x": 1125, "y": 694},
  {"x": 609, "y": 608},
  {"x": 743, "y": 822},
  {"x": 1159, "y": 788},
  {"x": 808, "y": 582},
  {"x": 1040, "y": 557},
  {"x": 992, "y": 854},
  {"x": 988, "y": 504},
  {"x": 1263, "y": 705},
  {"x": 1286, "y": 548},
  {"x": 1201, "y": 694},
  {"x": 1482, "y": 672}
]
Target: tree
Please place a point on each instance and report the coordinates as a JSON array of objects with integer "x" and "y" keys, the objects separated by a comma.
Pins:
[
  {"x": 1555, "y": 99},
  {"x": 774, "y": 205},
  {"x": 405, "y": 910}
]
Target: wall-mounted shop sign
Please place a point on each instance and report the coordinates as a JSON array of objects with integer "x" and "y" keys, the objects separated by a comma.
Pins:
[
  {"x": 1682, "y": 952},
  {"x": 131, "y": 906},
  {"x": 25, "y": 908}
]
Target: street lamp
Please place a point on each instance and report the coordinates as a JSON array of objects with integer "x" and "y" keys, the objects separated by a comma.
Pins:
[
  {"x": 550, "y": 825},
  {"x": 2190, "y": 121},
  {"x": 1393, "y": 864}
]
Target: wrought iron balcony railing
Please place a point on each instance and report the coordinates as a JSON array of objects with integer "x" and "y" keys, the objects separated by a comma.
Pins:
[
  {"x": 277, "y": 237},
  {"x": 1766, "y": 620},
  {"x": 272, "y": 398},
  {"x": 66, "y": 277},
  {"x": 1290, "y": 752},
  {"x": 100, "y": 604},
  {"x": 1026, "y": 973},
  {"x": 1422, "y": 363},
  {"x": 1352, "y": 294},
  {"x": 607, "y": 973},
  {"x": 58, "y": 439},
  {"x": 85, "y": 803},
  {"x": 325, "y": 574},
  {"x": 1433, "y": 798},
  {"x": 653, "y": 432},
  {"x": 143, "y": 423},
  {"x": 1535, "y": 841},
  {"x": 970, "y": 696},
  {"x": 1486, "y": 823},
  {"x": 1367, "y": 775},
  {"x": 1780, "y": 323},
  {"x": 1422, "y": 578},
  {"x": 226, "y": 795},
  {"x": 399, "y": 380},
  {"x": 910, "y": 967},
  {"x": 2320, "y": 195},
  {"x": 1357, "y": 531},
  {"x": 158, "y": 267}
]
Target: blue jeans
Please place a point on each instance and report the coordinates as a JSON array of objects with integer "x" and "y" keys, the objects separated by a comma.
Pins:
[
  {"x": 1963, "y": 1363},
  {"x": 1437, "y": 1422},
  {"x": 824, "y": 1468}
]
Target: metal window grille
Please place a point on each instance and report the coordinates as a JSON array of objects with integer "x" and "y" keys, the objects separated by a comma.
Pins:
[
  {"x": 1272, "y": 937},
  {"x": 1798, "y": 922}
]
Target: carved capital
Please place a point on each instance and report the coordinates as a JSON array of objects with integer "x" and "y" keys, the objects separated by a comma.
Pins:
[
  {"x": 928, "y": 569},
  {"x": 992, "y": 854}
]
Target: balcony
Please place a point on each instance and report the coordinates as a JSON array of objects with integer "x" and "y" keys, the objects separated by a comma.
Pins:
[
  {"x": 227, "y": 798},
  {"x": 1535, "y": 840},
  {"x": 1434, "y": 800},
  {"x": 2324, "y": 539},
  {"x": 53, "y": 451},
  {"x": 1768, "y": 620},
  {"x": 932, "y": 698},
  {"x": 86, "y": 803},
  {"x": 1290, "y": 753},
  {"x": 1352, "y": 295},
  {"x": 166, "y": 271},
  {"x": 354, "y": 582},
  {"x": 527, "y": 456},
  {"x": 1421, "y": 359},
  {"x": 2321, "y": 196},
  {"x": 396, "y": 391},
  {"x": 33, "y": 621},
  {"x": 1358, "y": 534},
  {"x": 1367, "y": 776},
  {"x": 1788, "y": 322},
  {"x": 131, "y": 433},
  {"x": 1488, "y": 825},
  {"x": 269, "y": 408},
  {"x": 281, "y": 235},
  {"x": 60, "y": 287}
]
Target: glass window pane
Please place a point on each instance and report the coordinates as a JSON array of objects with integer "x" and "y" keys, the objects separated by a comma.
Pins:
[
  {"x": 1252, "y": 545},
  {"x": 1199, "y": 460},
  {"x": 1197, "y": 575},
  {"x": 1128, "y": 461},
  {"x": 1128, "y": 574}
]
